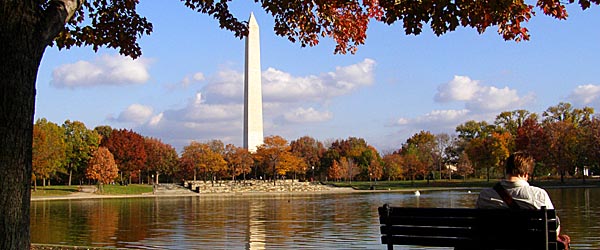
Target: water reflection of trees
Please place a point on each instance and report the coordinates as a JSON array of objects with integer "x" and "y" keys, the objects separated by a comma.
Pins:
[
  {"x": 44, "y": 215},
  {"x": 103, "y": 221},
  {"x": 579, "y": 213},
  {"x": 262, "y": 222}
]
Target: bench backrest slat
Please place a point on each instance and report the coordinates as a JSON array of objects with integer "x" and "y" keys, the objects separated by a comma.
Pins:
[{"x": 427, "y": 231}]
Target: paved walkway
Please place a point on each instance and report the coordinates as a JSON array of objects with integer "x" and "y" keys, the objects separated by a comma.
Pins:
[
  {"x": 173, "y": 190},
  {"x": 260, "y": 186}
]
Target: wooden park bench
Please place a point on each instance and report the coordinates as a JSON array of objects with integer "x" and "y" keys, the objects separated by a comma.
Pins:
[{"x": 467, "y": 228}]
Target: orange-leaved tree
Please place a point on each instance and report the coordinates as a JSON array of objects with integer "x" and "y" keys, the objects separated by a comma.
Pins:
[
  {"x": 413, "y": 165},
  {"x": 48, "y": 149},
  {"x": 334, "y": 172},
  {"x": 200, "y": 157},
  {"x": 348, "y": 169},
  {"x": 291, "y": 163},
  {"x": 190, "y": 159},
  {"x": 310, "y": 150},
  {"x": 239, "y": 161},
  {"x": 102, "y": 167},
  {"x": 393, "y": 166},
  {"x": 422, "y": 146},
  {"x": 161, "y": 158},
  {"x": 271, "y": 154},
  {"x": 464, "y": 166}
]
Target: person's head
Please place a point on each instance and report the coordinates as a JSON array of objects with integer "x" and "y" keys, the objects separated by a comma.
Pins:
[{"x": 519, "y": 164}]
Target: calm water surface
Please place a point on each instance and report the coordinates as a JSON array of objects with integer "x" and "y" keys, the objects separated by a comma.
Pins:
[{"x": 319, "y": 221}]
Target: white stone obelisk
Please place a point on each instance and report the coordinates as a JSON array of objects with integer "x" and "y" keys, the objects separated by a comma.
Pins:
[{"x": 253, "y": 120}]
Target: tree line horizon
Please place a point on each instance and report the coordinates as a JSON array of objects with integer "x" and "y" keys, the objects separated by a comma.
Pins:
[{"x": 563, "y": 141}]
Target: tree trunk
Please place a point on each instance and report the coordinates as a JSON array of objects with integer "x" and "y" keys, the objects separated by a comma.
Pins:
[
  {"x": 20, "y": 56},
  {"x": 25, "y": 30},
  {"x": 70, "y": 176},
  {"x": 274, "y": 176}
]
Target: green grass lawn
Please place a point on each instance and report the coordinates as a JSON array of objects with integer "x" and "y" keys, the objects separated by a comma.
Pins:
[
  {"x": 127, "y": 190},
  {"x": 132, "y": 189},
  {"x": 53, "y": 191}
]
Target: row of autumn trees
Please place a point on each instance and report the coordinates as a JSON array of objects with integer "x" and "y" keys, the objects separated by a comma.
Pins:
[
  {"x": 564, "y": 140},
  {"x": 71, "y": 151}
]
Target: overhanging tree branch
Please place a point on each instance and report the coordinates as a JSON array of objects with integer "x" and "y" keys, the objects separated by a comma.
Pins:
[{"x": 56, "y": 15}]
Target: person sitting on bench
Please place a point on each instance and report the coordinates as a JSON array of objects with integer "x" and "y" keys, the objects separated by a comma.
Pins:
[
  {"x": 518, "y": 167},
  {"x": 514, "y": 192}
]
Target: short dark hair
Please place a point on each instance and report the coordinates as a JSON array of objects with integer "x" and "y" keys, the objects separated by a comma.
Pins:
[{"x": 519, "y": 163}]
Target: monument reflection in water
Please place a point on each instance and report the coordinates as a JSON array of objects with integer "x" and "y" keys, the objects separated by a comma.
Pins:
[{"x": 319, "y": 221}]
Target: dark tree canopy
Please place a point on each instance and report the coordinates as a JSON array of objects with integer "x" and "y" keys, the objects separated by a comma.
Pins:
[{"x": 116, "y": 24}]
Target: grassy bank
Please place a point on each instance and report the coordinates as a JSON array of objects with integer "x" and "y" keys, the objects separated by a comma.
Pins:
[
  {"x": 469, "y": 183},
  {"x": 54, "y": 191},
  {"x": 133, "y": 189}
]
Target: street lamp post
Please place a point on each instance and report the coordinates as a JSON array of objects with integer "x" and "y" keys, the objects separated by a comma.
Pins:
[
  {"x": 313, "y": 173},
  {"x": 153, "y": 185}
]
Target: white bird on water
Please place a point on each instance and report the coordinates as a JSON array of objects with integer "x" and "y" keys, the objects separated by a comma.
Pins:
[{"x": 417, "y": 193}]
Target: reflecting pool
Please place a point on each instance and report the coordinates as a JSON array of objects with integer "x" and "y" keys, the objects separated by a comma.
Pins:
[{"x": 278, "y": 221}]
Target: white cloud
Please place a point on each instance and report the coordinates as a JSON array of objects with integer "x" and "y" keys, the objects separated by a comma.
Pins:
[
  {"x": 155, "y": 120},
  {"x": 199, "y": 76},
  {"x": 480, "y": 102},
  {"x": 105, "y": 70},
  {"x": 226, "y": 86},
  {"x": 586, "y": 95},
  {"x": 491, "y": 99},
  {"x": 461, "y": 88},
  {"x": 480, "y": 98},
  {"x": 189, "y": 80},
  {"x": 198, "y": 110},
  {"x": 435, "y": 120},
  {"x": 350, "y": 77},
  {"x": 401, "y": 121},
  {"x": 136, "y": 113},
  {"x": 444, "y": 116},
  {"x": 302, "y": 115},
  {"x": 280, "y": 86}
]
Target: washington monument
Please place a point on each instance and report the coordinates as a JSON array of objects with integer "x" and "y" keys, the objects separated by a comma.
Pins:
[{"x": 253, "y": 120}]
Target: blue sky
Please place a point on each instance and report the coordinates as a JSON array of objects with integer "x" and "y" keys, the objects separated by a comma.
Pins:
[{"x": 188, "y": 85}]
